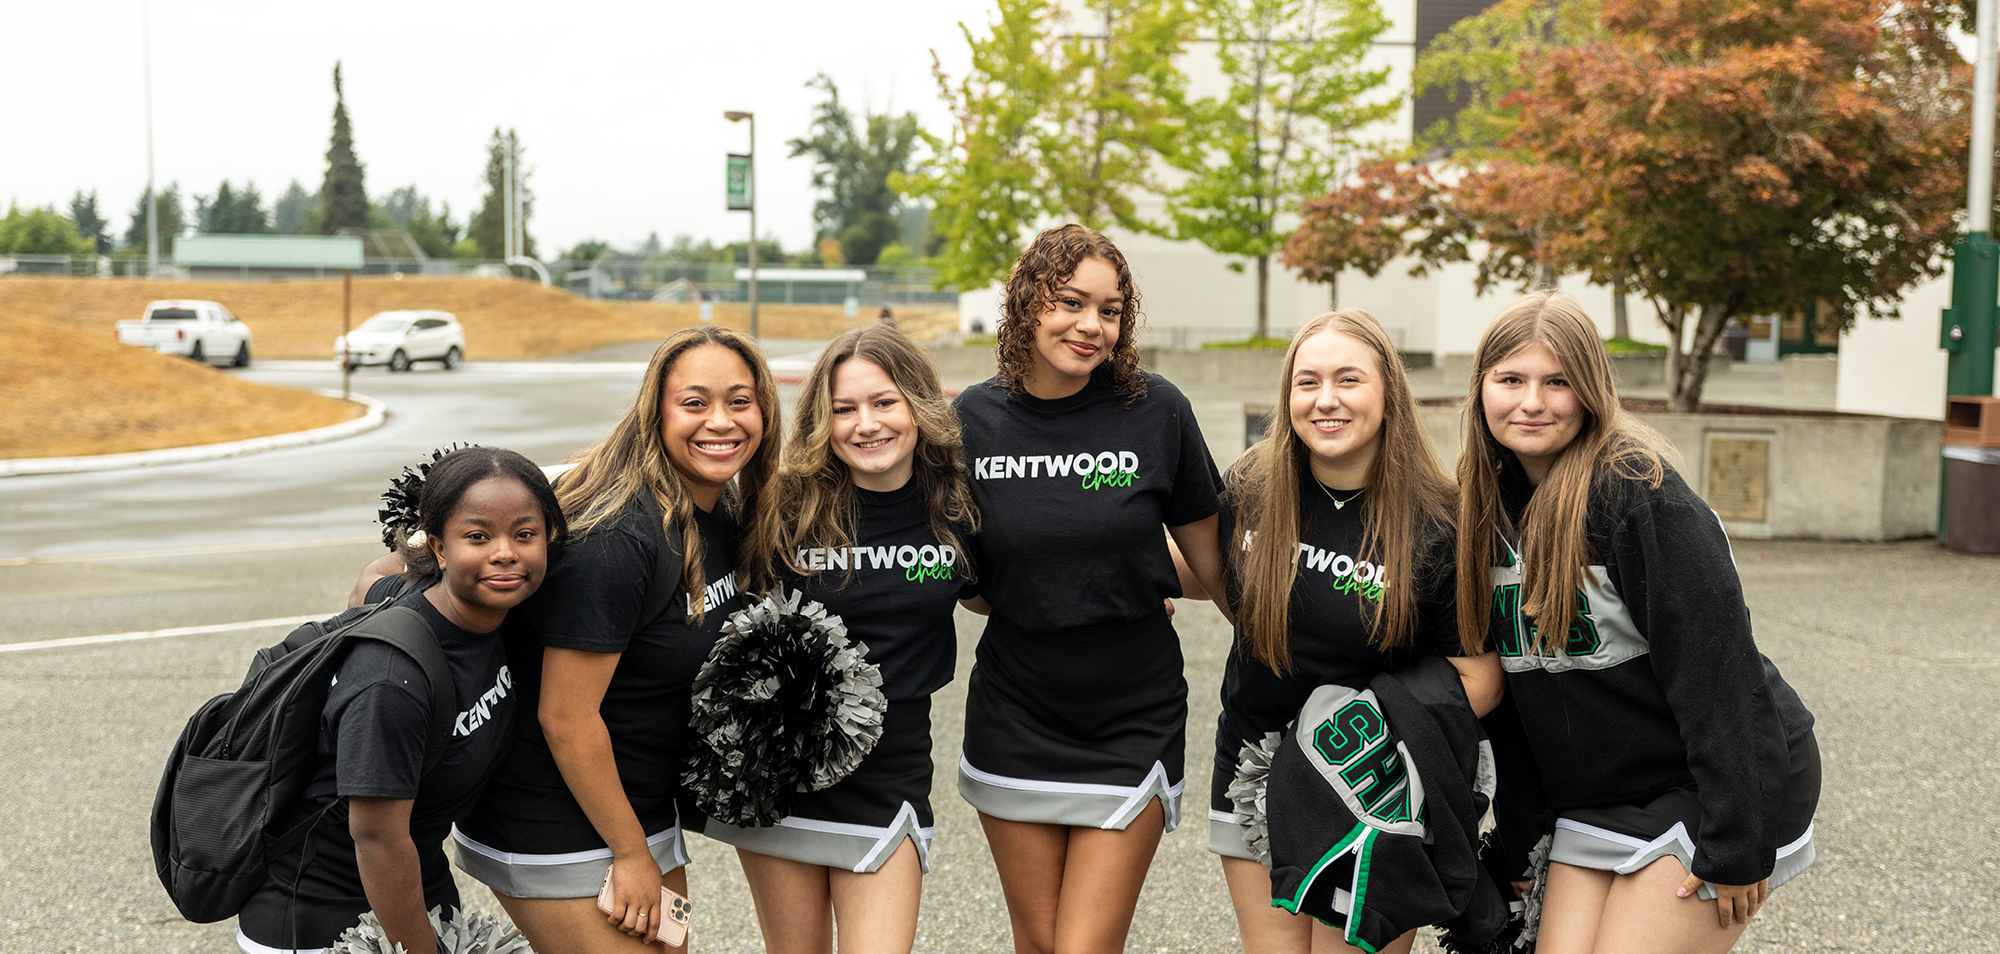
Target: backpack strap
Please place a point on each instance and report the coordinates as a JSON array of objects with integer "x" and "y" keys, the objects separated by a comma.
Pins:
[
  {"x": 667, "y": 569},
  {"x": 405, "y": 629}
]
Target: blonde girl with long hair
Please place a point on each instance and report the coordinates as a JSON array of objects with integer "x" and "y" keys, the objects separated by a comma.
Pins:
[
  {"x": 878, "y": 516},
  {"x": 588, "y": 799},
  {"x": 1680, "y": 767},
  {"x": 1337, "y": 529}
]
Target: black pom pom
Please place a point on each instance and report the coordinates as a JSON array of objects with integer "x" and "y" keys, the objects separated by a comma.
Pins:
[
  {"x": 399, "y": 502},
  {"x": 785, "y": 703}
]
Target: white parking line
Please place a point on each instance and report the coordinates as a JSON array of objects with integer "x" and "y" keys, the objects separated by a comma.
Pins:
[
  {"x": 285, "y": 621},
  {"x": 187, "y": 551}
]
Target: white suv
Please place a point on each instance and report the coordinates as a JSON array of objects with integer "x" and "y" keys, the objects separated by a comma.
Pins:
[{"x": 402, "y": 338}]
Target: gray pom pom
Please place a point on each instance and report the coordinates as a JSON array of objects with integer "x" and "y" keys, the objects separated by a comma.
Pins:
[
  {"x": 1246, "y": 793},
  {"x": 1531, "y": 900},
  {"x": 786, "y": 703},
  {"x": 476, "y": 933}
]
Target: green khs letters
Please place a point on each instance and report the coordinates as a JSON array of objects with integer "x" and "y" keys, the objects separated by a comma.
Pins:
[{"x": 1360, "y": 759}]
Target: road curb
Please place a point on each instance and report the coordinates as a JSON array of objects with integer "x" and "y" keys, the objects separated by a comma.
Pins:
[{"x": 377, "y": 414}]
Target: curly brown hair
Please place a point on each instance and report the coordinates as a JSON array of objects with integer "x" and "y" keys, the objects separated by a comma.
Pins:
[{"x": 1048, "y": 262}]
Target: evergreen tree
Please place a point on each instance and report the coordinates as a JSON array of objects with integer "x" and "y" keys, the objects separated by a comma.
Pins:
[
  {"x": 170, "y": 216},
  {"x": 853, "y": 162},
  {"x": 488, "y": 228},
  {"x": 90, "y": 223},
  {"x": 344, "y": 196},
  {"x": 410, "y": 210},
  {"x": 292, "y": 209},
  {"x": 231, "y": 212}
]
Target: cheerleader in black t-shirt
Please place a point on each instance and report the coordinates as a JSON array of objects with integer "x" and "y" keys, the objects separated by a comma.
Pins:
[
  {"x": 879, "y": 514},
  {"x": 1076, "y": 710},
  {"x": 490, "y": 527},
  {"x": 591, "y": 785},
  {"x": 1338, "y": 536}
]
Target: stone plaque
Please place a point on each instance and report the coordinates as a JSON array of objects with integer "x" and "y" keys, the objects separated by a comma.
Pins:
[{"x": 1739, "y": 477}]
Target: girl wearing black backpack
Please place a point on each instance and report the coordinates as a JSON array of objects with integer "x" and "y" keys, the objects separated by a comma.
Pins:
[{"x": 490, "y": 526}]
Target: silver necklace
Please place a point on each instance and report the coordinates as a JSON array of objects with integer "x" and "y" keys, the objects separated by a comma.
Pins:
[{"x": 1339, "y": 504}]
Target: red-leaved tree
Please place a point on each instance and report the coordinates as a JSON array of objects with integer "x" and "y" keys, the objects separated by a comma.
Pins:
[{"x": 1724, "y": 157}]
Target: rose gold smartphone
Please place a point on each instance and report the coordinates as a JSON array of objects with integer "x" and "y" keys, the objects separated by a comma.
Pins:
[{"x": 674, "y": 911}]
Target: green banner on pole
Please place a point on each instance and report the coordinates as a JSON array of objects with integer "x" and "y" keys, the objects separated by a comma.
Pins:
[{"x": 739, "y": 183}]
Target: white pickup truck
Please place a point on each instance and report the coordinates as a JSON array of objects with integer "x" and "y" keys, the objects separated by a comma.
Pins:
[{"x": 202, "y": 330}]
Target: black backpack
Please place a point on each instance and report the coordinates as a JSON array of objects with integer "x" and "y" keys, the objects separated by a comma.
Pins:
[{"x": 246, "y": 757}]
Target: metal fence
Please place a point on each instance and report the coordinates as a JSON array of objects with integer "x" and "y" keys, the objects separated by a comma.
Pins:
[{"x": 622, "y": 278}]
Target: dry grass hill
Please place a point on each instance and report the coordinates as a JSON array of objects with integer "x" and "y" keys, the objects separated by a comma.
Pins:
[
  {"x": 502, "y": 319},
  {"x": 69, "y": 393}
]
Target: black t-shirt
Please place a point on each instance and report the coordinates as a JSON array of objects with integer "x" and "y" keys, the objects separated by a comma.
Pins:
[
  {"x": 1329, "y": 634},
  {"x": 894, "y": 588},
  {"x": 371, "y": 744},
  {"x": 1073, "y": 495},
  {"x": 591, "y": 602}
]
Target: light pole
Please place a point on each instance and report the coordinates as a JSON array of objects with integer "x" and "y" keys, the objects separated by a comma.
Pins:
[
  {"x": 1969, "y": 325},
  {"x": 152, "y": 199},
  {"x": 737, "y": 116}
]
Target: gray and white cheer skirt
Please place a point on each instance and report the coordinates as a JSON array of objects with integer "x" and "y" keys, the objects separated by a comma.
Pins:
[
  {"x": 859, "y": 823},
  {"x": 1082, "y": 726},
  {"x": 1627, "y": 838}
]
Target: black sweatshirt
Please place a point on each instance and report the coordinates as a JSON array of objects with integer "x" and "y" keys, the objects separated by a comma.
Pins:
[
  {"x": 1329, "y": 634},
  {"x": 1661, "y": 684}
]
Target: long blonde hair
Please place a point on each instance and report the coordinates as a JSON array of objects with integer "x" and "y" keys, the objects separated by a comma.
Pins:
[
  {"x": 633, "y": 458},
  {"x": 1554, "y": 550},
  {"x": 1409, "y": 500},
  {"x": 818, "y": 488}
]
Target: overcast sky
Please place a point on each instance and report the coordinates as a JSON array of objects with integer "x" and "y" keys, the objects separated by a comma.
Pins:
[{"x": 618, "y": 104}]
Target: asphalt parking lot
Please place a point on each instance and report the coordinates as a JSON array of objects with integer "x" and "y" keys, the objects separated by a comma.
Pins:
[{"x": 1895, "y": 647}]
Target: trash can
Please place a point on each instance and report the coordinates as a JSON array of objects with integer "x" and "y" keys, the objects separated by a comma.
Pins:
[{"x": 1972, "y": 474}]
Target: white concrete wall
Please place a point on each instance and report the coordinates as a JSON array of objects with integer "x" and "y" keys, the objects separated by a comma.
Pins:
[{"x": 1895, "y": 366}]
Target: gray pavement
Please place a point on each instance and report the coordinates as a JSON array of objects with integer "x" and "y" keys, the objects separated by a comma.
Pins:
[{"x": 1893, "y": 646}]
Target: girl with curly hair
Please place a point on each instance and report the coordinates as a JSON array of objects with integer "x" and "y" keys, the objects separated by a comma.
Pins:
[{"x": 1076, "y": 709}]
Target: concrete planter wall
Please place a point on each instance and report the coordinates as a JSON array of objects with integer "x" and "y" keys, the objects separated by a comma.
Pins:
[
  {"x": 1824, "y": 476},
  {"x": 1628, "y": 370}
]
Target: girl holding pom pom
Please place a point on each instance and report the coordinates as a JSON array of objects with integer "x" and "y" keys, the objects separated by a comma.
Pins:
[
  {"x": 590, "y": 799},
  {"x": 878, "y": 514}
]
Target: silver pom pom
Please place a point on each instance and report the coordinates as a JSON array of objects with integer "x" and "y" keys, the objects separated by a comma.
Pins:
[
  {"x": 1531, "y": 900},
  {"x": 1246, "y": 793},
  {"x": 476, "y": 933},
  {"x": 785, "y": 703}
]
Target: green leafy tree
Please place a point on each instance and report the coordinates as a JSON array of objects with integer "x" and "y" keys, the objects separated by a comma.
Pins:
[
  {"x": 587, "y": 250},
  {"x": 90, "y": 223},
  {"x": 1478, "y": 62},
  {"x": 172, "y": 220},
  {"x": 343, "y": 195},
  {"x": 1055, "y": 120},
  {"x": 1284, "y": 130},
  {"x": 488, "y": 227},
  {"x": 41, "y": 231},
  {"x": 852, "y": 164},
  {"x": 288, "y": 215}
]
